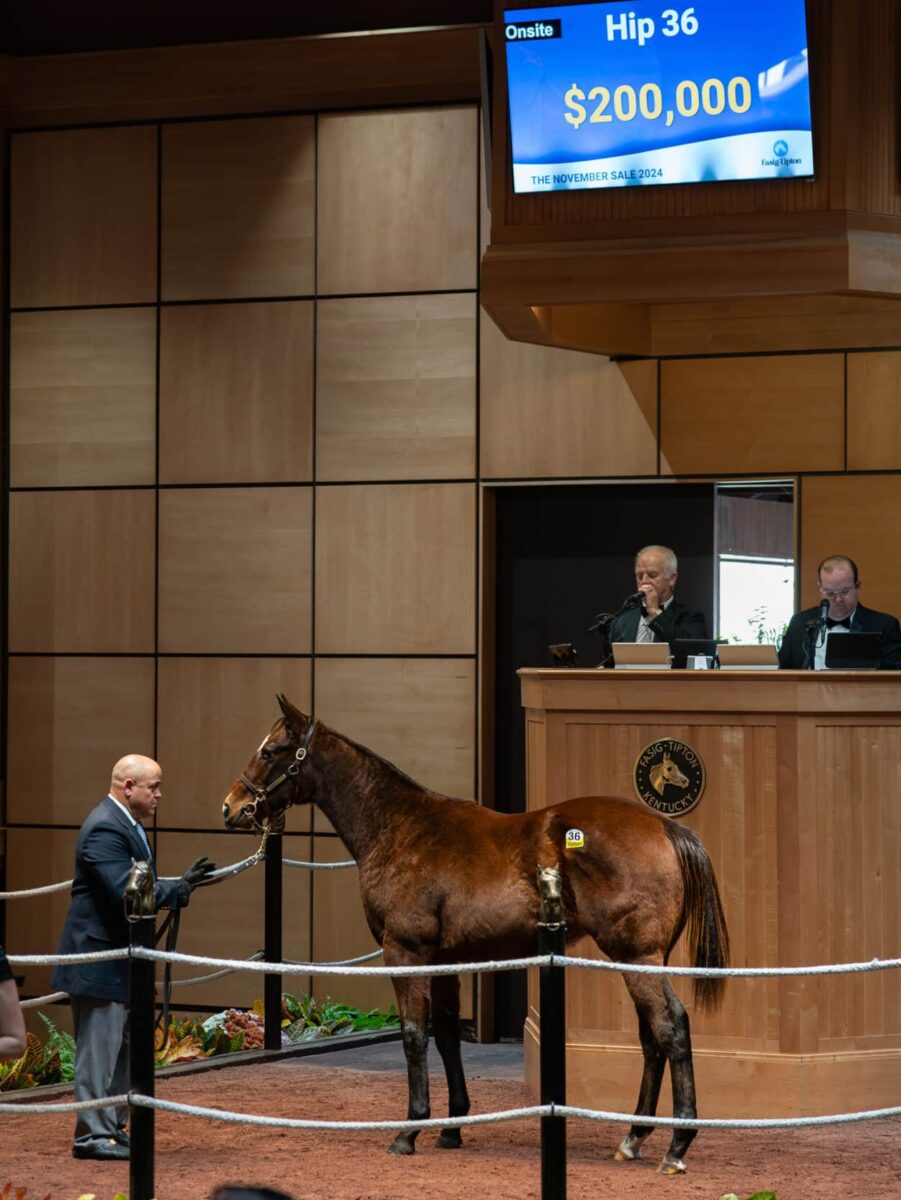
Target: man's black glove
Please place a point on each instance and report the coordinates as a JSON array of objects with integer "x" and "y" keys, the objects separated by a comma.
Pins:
[{"x": 198, "y": 871}]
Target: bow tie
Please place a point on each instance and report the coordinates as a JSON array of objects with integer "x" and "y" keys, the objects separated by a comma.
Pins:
[{"x": 844, "y": 623}]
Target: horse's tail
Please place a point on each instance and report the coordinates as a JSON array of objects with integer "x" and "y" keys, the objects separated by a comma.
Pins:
[{"x": 708, "y": 937}]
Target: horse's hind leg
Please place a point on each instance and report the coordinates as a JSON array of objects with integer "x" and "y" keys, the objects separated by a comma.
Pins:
[
  {"x": 667, "y": 1019},
  {"x": 446, "y": 1028},
  {"x": 651, "y": 1079},
  {"x": 413, "y": 1006}
]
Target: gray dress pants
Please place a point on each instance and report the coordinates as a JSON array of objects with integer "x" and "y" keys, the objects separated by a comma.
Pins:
[{"x": 101, "y": 1066}]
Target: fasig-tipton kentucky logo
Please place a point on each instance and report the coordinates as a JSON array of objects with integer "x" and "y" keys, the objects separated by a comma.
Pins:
[{"x": 669, "y": 777}]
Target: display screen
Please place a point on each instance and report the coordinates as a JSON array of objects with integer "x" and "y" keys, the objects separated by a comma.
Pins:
[{"x": 625, "y": 95}]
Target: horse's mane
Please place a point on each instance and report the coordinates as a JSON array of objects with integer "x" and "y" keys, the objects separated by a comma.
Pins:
[{"x": 366, "y": 753}]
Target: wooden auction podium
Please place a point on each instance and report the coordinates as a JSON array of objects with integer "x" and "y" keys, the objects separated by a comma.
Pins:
[{"x": 801, "y": 814}]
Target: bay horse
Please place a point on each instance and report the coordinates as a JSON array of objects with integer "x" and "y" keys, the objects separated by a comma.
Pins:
[{"x": 446, "y": 880}]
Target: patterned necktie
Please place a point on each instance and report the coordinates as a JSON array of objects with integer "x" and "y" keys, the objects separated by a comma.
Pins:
[
  {"x": 645, "y": 632},
  {"x": 143, "y": 837}
]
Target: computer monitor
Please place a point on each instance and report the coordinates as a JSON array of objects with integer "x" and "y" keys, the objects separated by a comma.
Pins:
[{"x": 853, "y": 651}]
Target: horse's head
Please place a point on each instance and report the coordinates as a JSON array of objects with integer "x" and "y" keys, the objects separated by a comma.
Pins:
[
  {"x": 666, "y": 772},
  {"x": 273, "y": 780}
]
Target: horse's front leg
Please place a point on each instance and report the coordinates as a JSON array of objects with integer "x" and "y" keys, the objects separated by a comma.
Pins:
[
  {"x": 446, "y": 1028},
  {"x": 413, "y": 1006}
]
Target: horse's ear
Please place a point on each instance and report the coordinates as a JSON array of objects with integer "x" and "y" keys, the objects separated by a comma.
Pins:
[{"x": 294, "y": 718}]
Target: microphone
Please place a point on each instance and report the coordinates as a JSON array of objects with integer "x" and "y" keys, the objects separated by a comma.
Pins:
[
  {"x": 824, "y": 611},
  {"x": 632, "y": 601}
]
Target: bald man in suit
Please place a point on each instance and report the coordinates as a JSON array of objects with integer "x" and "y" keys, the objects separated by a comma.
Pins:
[{"x": 111, "y": 839}]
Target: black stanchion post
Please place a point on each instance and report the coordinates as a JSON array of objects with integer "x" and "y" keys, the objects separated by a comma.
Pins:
[
  {"x": 272, "y": 988},
  {"x": 141, "y": 973},
  {"x": 552, "y": 1011}
]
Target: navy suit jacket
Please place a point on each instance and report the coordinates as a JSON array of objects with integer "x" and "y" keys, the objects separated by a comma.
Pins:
[
  {"x": 96, "y": 920},
  {"x": 674, "y": 621},
  {"x": 794, "y": 653}
]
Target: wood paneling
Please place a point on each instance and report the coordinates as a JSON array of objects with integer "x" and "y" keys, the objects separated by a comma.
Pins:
[
  {"x": 234, "y": 573},
  {"x": 81, "y": 571},
  {"x": 212, "y": 715},
  {"x": 83, "y": 212},
  {"x": 417, "y": 713},
  {"x": 549, "y": 413},
  {"x": 413, "y": 67},
  {"x": 856, "y": 515},
  {"x": 737, "y": 415},
  {"x": 395, "y": 388},
  {"x": 70, "y": 720},
  {"x": 874, "y": 411},
  {"x": 398, "y": 201},
  {"x": 395, "y": 569},
  {"x": 226, "y": 920},
  {"x": 83, "y": 398},
  {"x": 238, "y": 209},
  {"x": 859, "y": 848},
  {"x": 34, "y": 923},
  {"x": 340, "y": 931},
  {"x": 236, "y": 383}
]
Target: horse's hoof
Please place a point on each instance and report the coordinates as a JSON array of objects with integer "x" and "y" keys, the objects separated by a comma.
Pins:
[
  {"x": 450, "y": 1139},
  {"x": 671, "y": 1166},
  {"x": 401, "y": 1145},
  {"x": 627, "y": 1152}
]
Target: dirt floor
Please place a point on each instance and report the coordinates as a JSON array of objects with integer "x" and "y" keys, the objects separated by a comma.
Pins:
[{"x": 499, "y": 1161}]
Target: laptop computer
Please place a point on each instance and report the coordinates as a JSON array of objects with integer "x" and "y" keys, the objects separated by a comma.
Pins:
[
  {"x": 641, "y": 655},
  {"x": 752, "y": 656},
  {"x": 853, "y": 651},
  {"x": 684, "y": 648}
]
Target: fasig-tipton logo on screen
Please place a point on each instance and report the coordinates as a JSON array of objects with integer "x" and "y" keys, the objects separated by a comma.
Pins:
[{"x": 627, "y": 95}]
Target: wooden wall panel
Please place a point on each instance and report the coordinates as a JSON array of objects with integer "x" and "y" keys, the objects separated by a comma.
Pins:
[
  {"x": 737, "y": 415},
  {"x": 860, "y": 888},
  {"x": 417, "y": 713},
  {"x": 859, "y": 515},
  {"x": 397, "y": 201},
  {"x": 234, "y": 572},
  {"x": 550, "y": 413},
  {"x": 83, "y": 217},
  {"x": 874, "y": 411},
  {"x": 70, "y": 720},
  {"x": 226, "y": 920},
  {"x": 212, "y": 715},
  {"x": 237, "y": 215},
  {"x": 395, "y": 388},
  {"x": 236, "y": 393},
  {"x": 81, "y": 571},
  {"x": 340, "y": 931},
  {"x": 83, "y": 398},
  {"x": 395, "y": 569},
  {"x": 33, "y": 925}
]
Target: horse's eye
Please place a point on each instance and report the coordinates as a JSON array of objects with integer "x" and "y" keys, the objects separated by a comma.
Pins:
[{"x": 266, "y": 754}]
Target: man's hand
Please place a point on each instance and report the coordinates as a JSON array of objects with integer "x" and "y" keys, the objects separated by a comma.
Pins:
[
  {"x": 651, "y": 599},
  {"x": 199, "y": 870}
]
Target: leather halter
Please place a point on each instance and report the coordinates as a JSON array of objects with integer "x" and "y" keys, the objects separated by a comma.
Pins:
[{"x": 261, "y": 794}]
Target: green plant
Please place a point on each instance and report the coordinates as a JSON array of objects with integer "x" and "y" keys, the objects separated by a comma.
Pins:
[
  {"x": 63, "y": 1044},
  {"x": 756, "y": 1196}
]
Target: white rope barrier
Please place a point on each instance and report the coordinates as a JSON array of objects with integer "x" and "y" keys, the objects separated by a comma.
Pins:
[
  {"x": 68, "y": 1106},
  {"x": 36, "y": 1001},
  {"x": 318, "y": 866},
  {"x": 536, "y": 960},
  {"x": 237, "y": 1118},
  {"x": 216, "y": 974},
  {"x": 590, "y": 1114},
  {"x": 38, "y": 891},
  {"x": 339, "y": 962}
]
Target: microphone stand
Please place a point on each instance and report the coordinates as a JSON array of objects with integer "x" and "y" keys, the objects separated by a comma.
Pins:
[
  {"x": 812, "y": 631},
  {"x": 601, "y": 625}
]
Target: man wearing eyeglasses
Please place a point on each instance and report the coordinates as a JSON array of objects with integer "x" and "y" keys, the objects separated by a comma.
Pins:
[{"x": 840, "y": 587}]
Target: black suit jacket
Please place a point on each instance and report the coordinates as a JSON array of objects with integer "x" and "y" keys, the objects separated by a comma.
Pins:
[
  {"x": 675, "y": 621},
  {"x": 794, "y": 653},
  {"x": 96, "y": 920}
]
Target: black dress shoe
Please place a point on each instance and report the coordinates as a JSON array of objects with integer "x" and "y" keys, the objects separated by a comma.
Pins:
[
  {"x": 101, "y": 1150},
  {"x": 122, "y": 1138}
]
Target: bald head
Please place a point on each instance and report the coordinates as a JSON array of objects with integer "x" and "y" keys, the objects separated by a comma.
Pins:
[{"x": 137, "y": 782}]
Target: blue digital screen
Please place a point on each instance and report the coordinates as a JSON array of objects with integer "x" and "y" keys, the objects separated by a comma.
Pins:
[{"x": 631, "y": 94}]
